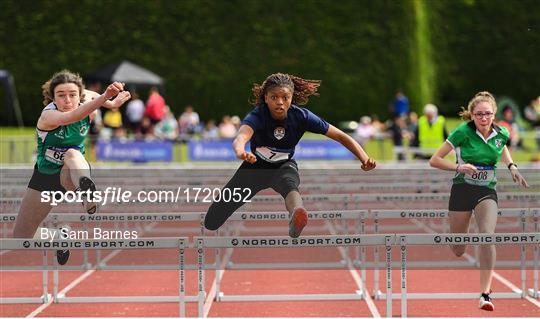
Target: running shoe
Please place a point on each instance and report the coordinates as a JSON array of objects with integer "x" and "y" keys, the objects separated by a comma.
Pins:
[
  {"x": 62, "y": 256},
  {"x": 485, "y": 303},
  {"x": 86, "y": 184},
  {"x": 297, "y": 222}
]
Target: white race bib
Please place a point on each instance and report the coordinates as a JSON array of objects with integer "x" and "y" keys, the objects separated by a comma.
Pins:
[
  {"x": 484, "y": 176},
  {"x": 270, "y": 155},
  {"x": 55, "y": 155}
]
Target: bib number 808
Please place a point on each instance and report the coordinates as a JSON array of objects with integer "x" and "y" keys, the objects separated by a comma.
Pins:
[{"x": 481, "y": 176}]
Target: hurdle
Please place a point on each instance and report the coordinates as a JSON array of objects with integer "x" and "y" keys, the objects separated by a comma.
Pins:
[
  {"x": 327, "y": 215},
  {"x": 438, "y": 214},
  {"x": 179, "y": 243},
  {"x": 286, "y": 242},
  {"x": 446, "y": 239}
]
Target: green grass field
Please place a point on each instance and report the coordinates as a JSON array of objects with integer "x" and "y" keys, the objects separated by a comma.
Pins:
[{"x": 18, "y": 146}]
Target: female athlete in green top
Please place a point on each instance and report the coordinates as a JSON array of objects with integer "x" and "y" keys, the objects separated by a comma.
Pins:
[
  {"x": 479, "y": 145},
  {"x": 61, "y": 130}
]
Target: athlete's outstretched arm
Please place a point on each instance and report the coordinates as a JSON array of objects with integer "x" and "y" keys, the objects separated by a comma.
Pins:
[
  {"x": 118, "y": 101},
  {"x": 53, "y": 118},
  {"x": 239, "y": 144},
  {"x": 506, "y": 158},
  {"x": 353, "y": 146},
  {"x": 438, "y": 161}
]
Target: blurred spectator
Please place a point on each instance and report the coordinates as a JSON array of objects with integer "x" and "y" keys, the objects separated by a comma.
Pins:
[
  {"x": 167, "y": 128},
  {"x": 379, "y": 126},
  {"x": 112, "y": 120},
  {"x": 532, "y": 114},
  {"x": 236, "y": 121},
  {"x": 511, "y": 125},
  {"x": 155, "y": 106},
  {"x": 211, "y": 131},
  {"x": 400, "y": 106},
  {"x": 412, "y": 124},
  {"x": 226, "y": 128},
  {"x": 146, "y": 129},
  {"x": 431, "y": 132},
  {"x": 134, "y": 112},
  {"x": 365, "y": 131},
  {"x": 188, "y": 121},
  {"x": 398, "y": 131}
]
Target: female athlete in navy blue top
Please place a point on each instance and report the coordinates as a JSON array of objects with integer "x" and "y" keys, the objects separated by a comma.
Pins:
[{"x": 274, "y": 128}]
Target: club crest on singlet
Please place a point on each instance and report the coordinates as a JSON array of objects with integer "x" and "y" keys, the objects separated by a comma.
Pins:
[
  {"x": 60, "y": 133},
  {"x": 83, "y": 130},
  {"x": 279, "y": 132},
  {"x": 498, "y": 143}
]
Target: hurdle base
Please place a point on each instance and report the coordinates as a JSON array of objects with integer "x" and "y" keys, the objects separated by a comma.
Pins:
[
  {"x": 152, "y": 267},
  {"x": 61, "y": 298},
  {"x": 308, "y": 297},
  {"x": 326, "y": 265},
  {"x": 25, "y": 300},
  {"x": 532, "y": 293},
  {"x": 450, "y": 295}
]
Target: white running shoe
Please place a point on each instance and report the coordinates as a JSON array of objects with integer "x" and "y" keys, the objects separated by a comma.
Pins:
[{"x": 485, "y": 303}]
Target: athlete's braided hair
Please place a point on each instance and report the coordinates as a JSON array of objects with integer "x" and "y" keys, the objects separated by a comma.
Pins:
[
  {"x": 483, "y": 96},
  {"x": 301, "y": 88},
  {"x": 62, "y": 77}
]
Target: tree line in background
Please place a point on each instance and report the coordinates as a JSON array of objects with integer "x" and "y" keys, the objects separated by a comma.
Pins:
[{"x": 211, "y": 52}]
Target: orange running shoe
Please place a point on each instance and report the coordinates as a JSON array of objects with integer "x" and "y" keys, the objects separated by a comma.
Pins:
[{"x": 297, "y": 222}]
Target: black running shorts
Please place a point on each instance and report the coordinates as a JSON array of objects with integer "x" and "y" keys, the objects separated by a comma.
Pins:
[
  {"x": 45, "y": 182},
  {"x": 465, "y": 197}
]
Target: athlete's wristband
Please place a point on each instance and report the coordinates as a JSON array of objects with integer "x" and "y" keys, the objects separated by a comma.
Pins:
[{"x": 512, "y": 164}]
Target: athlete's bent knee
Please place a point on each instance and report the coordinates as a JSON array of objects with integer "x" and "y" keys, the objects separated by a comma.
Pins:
[
  {"x": 71, "y": 153},
  {"x": 211, "y": 224}
]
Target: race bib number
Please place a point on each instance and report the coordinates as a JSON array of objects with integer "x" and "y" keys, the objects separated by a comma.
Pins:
[
  {"x": 55, "y": 155},
  {"x": 484, "y": 176},
  {"x": 270, "y": 155}
]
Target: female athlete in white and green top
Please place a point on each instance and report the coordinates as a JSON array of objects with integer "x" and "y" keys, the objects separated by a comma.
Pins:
[
  {"x": 61, "y": 131},
  {"x": 479, "y": 144}
]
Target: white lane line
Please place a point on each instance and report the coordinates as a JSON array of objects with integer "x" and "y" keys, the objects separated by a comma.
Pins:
[
  {"x": 356, "y": 277},
  {"x": 4, "y": 252},
  {"x": 496, "y": 275}
]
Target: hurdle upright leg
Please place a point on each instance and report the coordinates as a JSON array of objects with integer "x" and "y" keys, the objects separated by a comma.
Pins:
[
  {"x": 389, "y": 276},
  {"x": 535, "y": 292},
  {"x": 403, "y": 249},
  {"x": 200, "y": 272},
  {"x": 182, "y": 295}
]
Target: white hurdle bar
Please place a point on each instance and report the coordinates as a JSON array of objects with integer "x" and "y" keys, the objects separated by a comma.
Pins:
[
  {"x": 326, "y": 215},
  {"x": 286, "y": 242},
  {"x": 447, "y": 239},
  {"x": 179, "y": 243}
]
